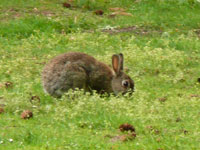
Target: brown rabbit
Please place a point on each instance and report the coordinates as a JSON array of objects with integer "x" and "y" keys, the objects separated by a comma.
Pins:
[{"x": 78, "y": 70}]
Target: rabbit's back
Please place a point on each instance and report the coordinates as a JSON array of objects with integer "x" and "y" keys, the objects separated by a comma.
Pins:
[{"x": 75, "y": 70}]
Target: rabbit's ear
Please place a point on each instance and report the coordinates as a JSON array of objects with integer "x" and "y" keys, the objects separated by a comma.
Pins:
[
  {"x": 116, "y": 63},
  {"x": 121, "y": 61}
]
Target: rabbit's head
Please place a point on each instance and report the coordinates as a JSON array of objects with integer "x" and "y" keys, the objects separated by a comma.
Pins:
[{"x": 121, "y": 83}]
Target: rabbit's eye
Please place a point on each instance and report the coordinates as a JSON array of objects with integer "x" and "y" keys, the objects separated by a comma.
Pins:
[{"x": 125, "y": 83}]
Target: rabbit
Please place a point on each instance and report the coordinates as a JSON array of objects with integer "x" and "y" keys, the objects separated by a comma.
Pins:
[{"x": 73, "y": 70}]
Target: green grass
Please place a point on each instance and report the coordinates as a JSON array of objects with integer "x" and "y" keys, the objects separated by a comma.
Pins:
[{"x": 165, "y": 63}]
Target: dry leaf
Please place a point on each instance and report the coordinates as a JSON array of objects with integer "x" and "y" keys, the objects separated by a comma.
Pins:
[
  {"x": 117, "y": 9},
  {"x": 1, "y": 86},
  {"x": 66, "y": 5},
  {"x": 27, "y": 114},
  {"x": 1, "y": 110},
  {"x": 121, "y": 13},
  {"x": 99, "y": 12},
  {"x": 126, "y": 127},
  {"x": 194, "y": 95}
]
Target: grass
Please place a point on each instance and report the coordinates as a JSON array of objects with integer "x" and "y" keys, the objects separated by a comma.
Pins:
[{"x": 165, "y": 65}]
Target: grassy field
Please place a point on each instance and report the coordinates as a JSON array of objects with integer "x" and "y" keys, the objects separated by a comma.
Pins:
[{"x": 160, "y": 43}]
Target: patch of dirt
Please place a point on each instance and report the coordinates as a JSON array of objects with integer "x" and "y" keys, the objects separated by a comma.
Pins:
[
  {"x": 42, "y": 11},
  {"x": 123, "y": 138},
  {"x": 15, "y": 13},
  {"x": 46, "y": 13},
  {"x": 133, "y": 29},
  {"x": 11, "y": 13}
]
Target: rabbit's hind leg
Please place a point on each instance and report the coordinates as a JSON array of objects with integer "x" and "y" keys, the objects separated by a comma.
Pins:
[{"x": 74, "y": 77}]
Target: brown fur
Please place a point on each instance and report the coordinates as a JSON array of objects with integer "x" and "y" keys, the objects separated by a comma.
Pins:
[{"x": 76, "y": 70}]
